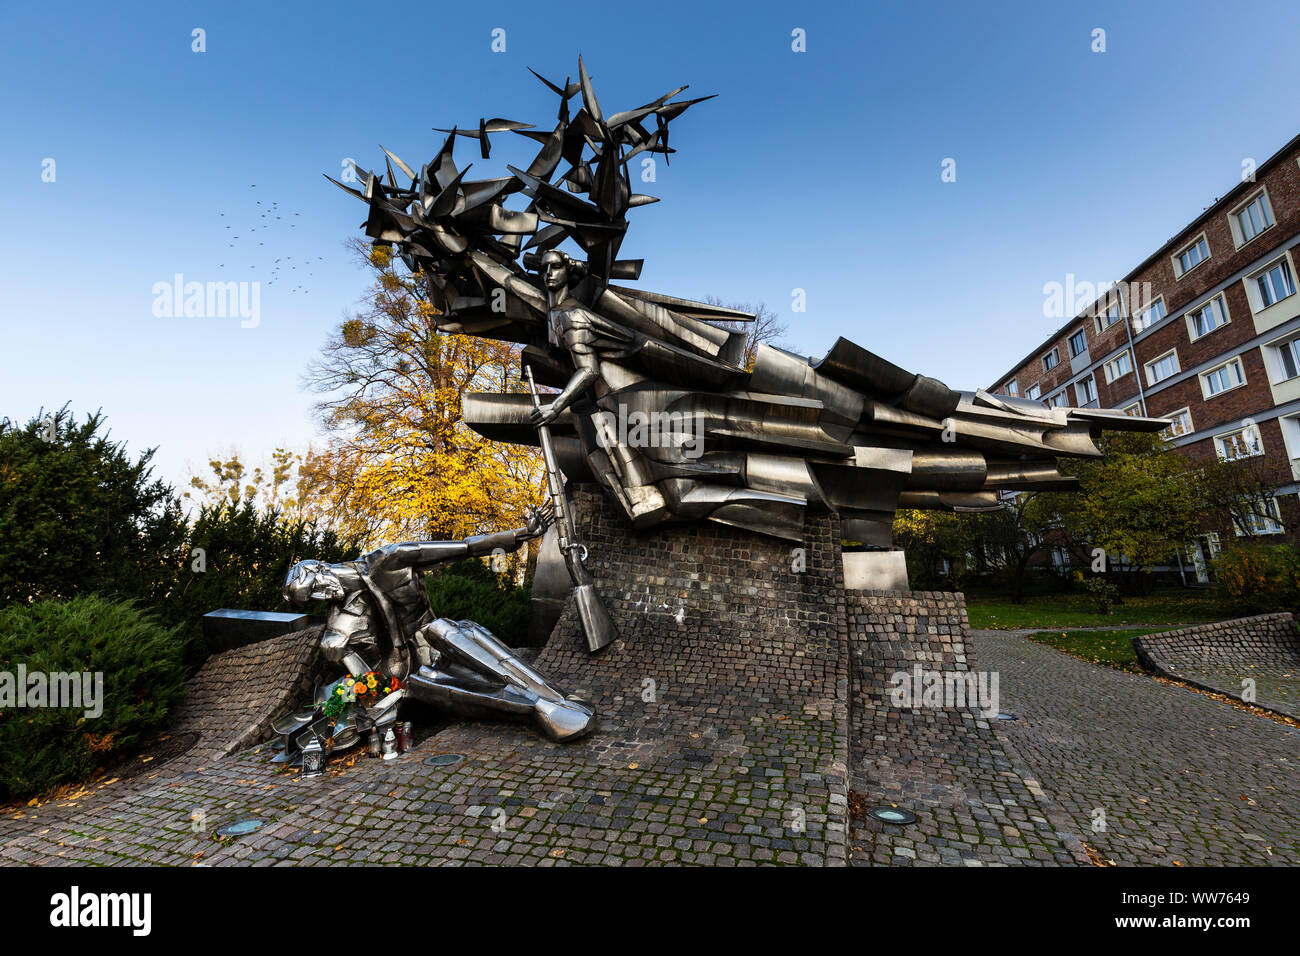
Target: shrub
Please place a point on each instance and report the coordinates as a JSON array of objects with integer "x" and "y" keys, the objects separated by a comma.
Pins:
[
  {"x": 1257, "y": 580},
  {"x": 472, "y": 591},
  {"x": 246, "y": 554},
  {"x": 79, "y": 516},
  {"x": 1101, "y": 593},
  {"x": 143, "y": 676}
]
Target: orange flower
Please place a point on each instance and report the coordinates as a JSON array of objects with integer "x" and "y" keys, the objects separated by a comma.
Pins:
[{"x": 360, "y": 689}]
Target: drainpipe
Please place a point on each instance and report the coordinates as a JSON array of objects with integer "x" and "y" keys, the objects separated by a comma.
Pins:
[{"x": 1137, "y": 368}]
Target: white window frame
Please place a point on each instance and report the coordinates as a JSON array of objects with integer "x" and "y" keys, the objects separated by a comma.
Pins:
[
  {"x": 1059, "y": 400},
  {"x": 1054, "y": 350},
  {"x": 1169, "y": 432},
  {"x": 1204, "y": 378},
  {"x": 1252, "y": 282},
  {"x": 1034, "y": 392},
  {"x": 1112, "y": 313},
  {"x": 1091, "y": 382},
  {"x": 1134, "y": 410},
  {"x": 1177, "y": 257},
  {"x": 1148, "y": 368},
  {"x": 1251, "y": 437},
  {"x": 1111, "y": 368},
  {"x": 1141, "y": 323},
  {"x": 1013, "y": 389},
  {"x": 1070, "y": 341},
  {"x": 1275, "y": 354},
  {"x": 1290, "y": 427},
  {"x": 1257, "y": 529},
  {"x": 1192, "y": 332},
  {"x": 1239, "y": 236}
]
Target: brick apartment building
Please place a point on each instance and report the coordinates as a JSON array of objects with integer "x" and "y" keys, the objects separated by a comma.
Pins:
[{"x": 1205, "y": 332}]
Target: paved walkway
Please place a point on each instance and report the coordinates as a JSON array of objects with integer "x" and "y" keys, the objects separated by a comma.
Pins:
[
  {"x": 976, "y": 801},
  {"x": 1147, "y": 772},
  {"x": 723, "y": 739}
]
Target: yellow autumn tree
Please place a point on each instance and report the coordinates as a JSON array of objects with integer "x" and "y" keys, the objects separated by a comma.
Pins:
[
  {"x": 274, "y": 486},
  {"x": 400, "y": 463}
]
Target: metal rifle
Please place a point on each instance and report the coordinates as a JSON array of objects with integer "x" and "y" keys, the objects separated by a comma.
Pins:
[{"x": 597, "y": 626}]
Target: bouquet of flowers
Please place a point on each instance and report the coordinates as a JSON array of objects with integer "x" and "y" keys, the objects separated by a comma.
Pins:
[{"x": 365, "y": 689}]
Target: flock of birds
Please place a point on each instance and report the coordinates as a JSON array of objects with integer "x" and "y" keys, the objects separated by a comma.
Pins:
[{"x": 284, "y": 268}]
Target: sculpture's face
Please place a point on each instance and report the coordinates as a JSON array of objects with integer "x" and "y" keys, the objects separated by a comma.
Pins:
[
  {"x": 312, "y": 581},
  {"x": 555, "y": 271}
]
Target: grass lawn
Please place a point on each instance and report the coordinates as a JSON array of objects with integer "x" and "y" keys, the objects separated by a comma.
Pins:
[
  {"x": 1112, "y": 648},
  {"x": 1178, "y": 606}
]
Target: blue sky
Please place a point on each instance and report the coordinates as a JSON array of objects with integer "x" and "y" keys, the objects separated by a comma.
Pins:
[{"x": 817, "y": 170}]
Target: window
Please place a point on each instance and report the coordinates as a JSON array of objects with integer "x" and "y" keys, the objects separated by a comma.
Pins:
[
  {"x": 1273, "y": 284},
  {"x": 1243, "y": 443},
  {"x": 1149, "y": 316},
  {"x": 1051, "y": 360},
  {"x": 1180, "y": 423},
  {"x": 1034, "y": 392},
  {"x": 1251, "y": 219},
  {"x": 1192, "y": 256},
  {"x": 1110, "y": 315},
  {"x": 1162, "y": 368},
  {"x": 1013, "y": 388},
  {"x": 1135, "y": 410},
  {"x": 1078, "y": 344},
  {"x": 1290, "y": 425},
  {"x": 1086, "y": 390},
  {"x": 1284, "y": 357},
  {"x": 1119, "y": 367},
  {"x": 1227, "y": 376},
  {"x": 1262, "y": 518},
  {"x": 1207, "y": 318},
  {"x": 1057, "y": 400}
]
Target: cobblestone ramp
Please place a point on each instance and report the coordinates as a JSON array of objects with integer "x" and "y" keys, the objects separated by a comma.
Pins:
[
  {"x": 230, "y": 705},
  {"x": 1221, "y": 657},
  {"x": 236, "y": 695},
  {"x": 975, "y": 801}
]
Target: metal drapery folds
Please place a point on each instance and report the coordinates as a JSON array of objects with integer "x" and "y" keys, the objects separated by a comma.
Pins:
[{"x": 655, "y": 404}]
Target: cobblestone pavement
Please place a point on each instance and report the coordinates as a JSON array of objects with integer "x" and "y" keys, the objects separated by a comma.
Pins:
[
  {"x": 1277, "y": 686},
  {"x": 723, "y": 739},
  {"x": 1176, "y": 776},
  {"x": 766, "y": 737},
  {"x": 975, "y": 801}
]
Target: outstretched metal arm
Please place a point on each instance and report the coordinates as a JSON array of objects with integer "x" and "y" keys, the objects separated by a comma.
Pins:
[
  {"x": 427, "y": 554},
  {"x": 597, "y": 625}
]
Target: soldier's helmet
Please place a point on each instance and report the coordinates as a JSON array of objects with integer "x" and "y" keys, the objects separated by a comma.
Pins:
[{"x": 311, "y": 581}]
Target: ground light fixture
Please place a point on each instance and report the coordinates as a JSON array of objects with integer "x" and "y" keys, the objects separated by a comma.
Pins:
[
  {"x": 444, "y": 760},
  {"x": 895, "y": 815},
  {"x": 240, "y": 828}
]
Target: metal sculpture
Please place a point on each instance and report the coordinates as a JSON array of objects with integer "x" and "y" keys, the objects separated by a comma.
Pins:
[
  {"x": 594, "y": 619},
  {"x": 380, "y": 618},
  {"x": 654, "y": 402}
]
